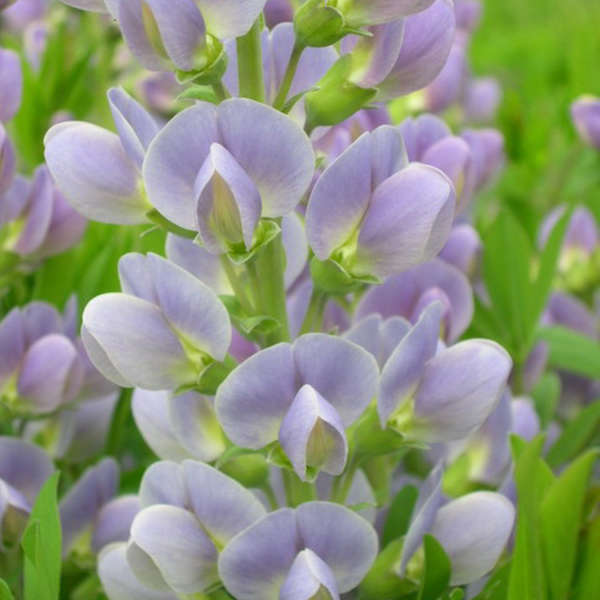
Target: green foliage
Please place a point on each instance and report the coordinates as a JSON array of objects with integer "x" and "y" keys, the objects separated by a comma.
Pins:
[
  {"x": 5, "y": 593},
  {"x": 42, "y": 545},
  {"x": 437, "y": 570},
  {"x": 401, "y": 509}
]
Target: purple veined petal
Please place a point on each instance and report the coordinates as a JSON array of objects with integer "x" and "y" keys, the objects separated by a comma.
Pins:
[
  {"x": 255, "y": 397},
  {"x": 312, "y": 434},
  {"x": 66, "y": 227},
  {"x": 404, "y": 369},
  {"x": 449, "y": 86},
  {"x": 255, "y": 563},
  {"x": 342, "y": 372},
  {"x": 388, "y": 154},
  {"x": 341, "y": 538},
  {"x": 8, "y": 163},
  {"x": 463, "y": 249},
  {"x": 82, "y": 503},
  {"x": 40, "y": 319},
  {"x": 340, "y": 199},
  {"x": 11, "y": 84},
  {"x": 137, "y": 341},
  {"x": 228, "y": 203},
  {"x": 429, "y": 501},
  {"x": 79, "y": 155},
  {"x": 399, "y": 295},
  {"x": 91, "y": 5},
  {"x": 179, "y": 547},
  {"x": 230, "y": 18},
  {"x": 152, "y": 416},
  {"x": 473, "y": 530},
  {"x": 136, "y": 127},
  {"x": 24, "y": 466},
  {"x": 163, "y": 483},
  {"x": 272, "y": 149},
  {"x": 114, "y": 521},
  {"x": 50, "y": 374},
  {"x": 174, "y": 159},
  {"x": 429, "y": 296},
  {"x": 118, "y": 579},
  {"x": 419, "y": 133},
  {"x": 135, "y": 276},
  {"x": 199, "y": 262},
  {"x": 195, "y": 426},
  {"x": 459, "y": 389},
  {"x": 373, "y": 12},
  {"x": 525, "y": 421},
  {"x": 38, "y": 214},
  {"x": 191, "y": 308},
  {"x": 296, "y": 247},
  {"x": 373, "y": 58},
  {"x": 12, "y": 343},
  {"x": 428, "y": 36},
  {"x": 396, "y": 236},
  {"x": 14, "y": 200},
  {"x": 452, "y": 156},
  {"x": 309, "y": 577},
  {"x": 221, "y": 504}
]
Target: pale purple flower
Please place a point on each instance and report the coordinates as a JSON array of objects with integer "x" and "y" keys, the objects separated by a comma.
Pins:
[
  {"x": 23, "y": 12},
  {"x": 468, "y": 14},
  {"x": 421, "y": 133},
  {"x": 354, "y": 215},
  {"x": 449, "y": 85},
  {"x": 11, "y": 84},
  {"x": 525, "y": 421},
  {"x": 278, "y": 11},
  {"x": 79, "y": 156},
  {"x": 35, "y": 40},
  {"x": 568, "y": 311},
  {"x": 190, "y": 512},
  {"x": 162, "y": 332},
  {"x": 303, "y": 395},
  {"x": 318, "y": 549},
  {"x": 219, "y": 170},
  {"x": 407, "y": 294},
  {"x": 463, "y": 249},
  {"x": 375, "y": 12},
  {"x": 428, "y": 37},
  {"x": 482, "y": 99},
  {"x": 585, "y": 113},
  {"x": 7, "y": 168},
  {"x": 430, "y": 394},
  {"x": 487, "y": 148}
]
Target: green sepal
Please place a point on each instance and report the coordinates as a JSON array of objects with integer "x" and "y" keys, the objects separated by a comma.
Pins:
[
  {"x": 251, "y": 326},
  {"x": 318, "y": 26},
  {"x": 266, "y": 232},
  {"x": 332, "y": 278},
  {"x": 212, "y": 64},
  {"x": 204, "y": 93},
  {"x": 214, "y": 375},
  {"x": 251, "y": 470},
  {"x": 158, "y": 219}
]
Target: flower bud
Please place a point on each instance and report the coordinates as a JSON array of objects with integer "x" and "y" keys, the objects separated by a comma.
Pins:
[{"x": 585, "y": 113}]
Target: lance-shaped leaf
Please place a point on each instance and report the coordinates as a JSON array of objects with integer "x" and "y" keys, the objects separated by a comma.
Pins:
[{"x": 257, "y": 563}]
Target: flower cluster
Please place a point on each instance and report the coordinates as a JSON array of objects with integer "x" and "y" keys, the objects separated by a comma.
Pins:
[{"x": 322, "y": 409}]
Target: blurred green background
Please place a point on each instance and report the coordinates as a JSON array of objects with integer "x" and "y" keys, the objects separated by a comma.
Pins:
[{"x": 545, "y": 53}]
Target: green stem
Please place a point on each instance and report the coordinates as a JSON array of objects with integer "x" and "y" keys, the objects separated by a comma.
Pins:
[
  {"x": 267, "y": 488},
  {"x": 314, "y": 315},
  {"x": 221, "y": 91},
  {"x": 155, "y": 217},
  {"x": 296, "y": 491},
  {"x": 267, "y": 274},
  {"x": 341, "y": 485},
  {"x": 288, "y": 78},
  {"x": 250, "y": 67},
  {"x": 237, "y": 285}
]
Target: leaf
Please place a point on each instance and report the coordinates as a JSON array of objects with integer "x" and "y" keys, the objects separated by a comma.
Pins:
[
  {"x": 5, "y": 593},
  {"x": 575, "y": 436},
  {"x": 527, "y": 578},
  {"x": 437, "y": 570},
  {"x": 497, "y": 586},
  {"x": 506, "y": 262},
  {"x": 401, "y": 509},
  {"x": 587, "y": 584},
  {"x": 546, "y": 394},
  {"x": 548, "y": 263},
  {"x": 42, "y": 545},
  {"x": 572, "y": 351},
  {"x": 561, "y": 515}
]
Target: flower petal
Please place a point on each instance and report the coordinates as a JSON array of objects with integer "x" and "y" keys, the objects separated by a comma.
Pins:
[
  {"x": 163, "y": 483},
  {"x": 113, "y": 521},
  {"x": 307, "y": 576},
  {"x": 230, "y": 18}
]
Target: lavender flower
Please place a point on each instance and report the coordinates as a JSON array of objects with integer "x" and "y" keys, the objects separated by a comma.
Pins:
[
  {"x": 585, "y": 113},
  {"x": 11, "y": 84}
]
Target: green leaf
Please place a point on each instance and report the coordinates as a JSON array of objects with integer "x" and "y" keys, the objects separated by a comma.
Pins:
[
  {"x": 437, "y": 570},
  {"x": 497, "y": 586},
  {"x": 561, "y": 515},
  {"x": 506, "y": 263},
  {"x": 527, "y": 578},
  {"x": 42, "y": 545},
  {"x": 5, "y": 593},
  {"x": 575, "y": 436},
  {"x": 401, "y": 509},
  {"x": 572, "y": 351},
  {"x": 546, "y": 394},
  {"x": 548, "y": 263},
  {"x": 587, "y": 584}
]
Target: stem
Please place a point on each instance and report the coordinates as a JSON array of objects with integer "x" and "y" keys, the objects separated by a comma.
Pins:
[
  {"x": 221, "y": 91},
  {"x": 314, "y": 315},
  {"x": 296, "y": 491},
  {"x": 237, "y": 285},
  {"x": 250, "y": 67},
  {"x": 270, "y": 494},
  {"x": 288, "y": 78},
  {"x": 342, "y": 485},
  {"x": 266, "y": 272}
]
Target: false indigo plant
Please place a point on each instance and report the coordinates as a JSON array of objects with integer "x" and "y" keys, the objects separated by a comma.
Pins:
[{"x": 312, "y": 359}]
